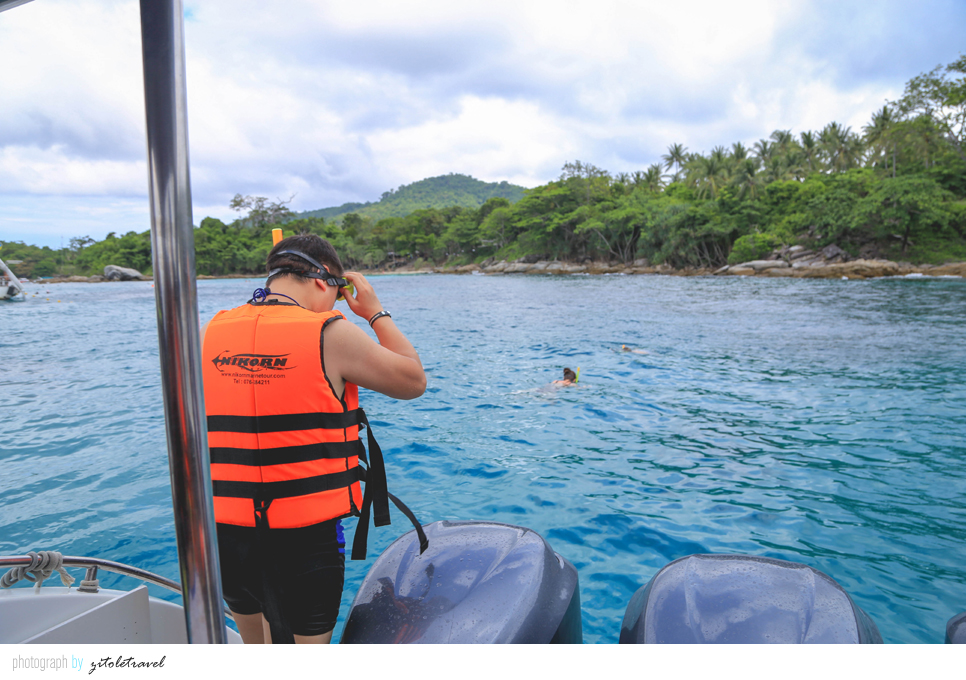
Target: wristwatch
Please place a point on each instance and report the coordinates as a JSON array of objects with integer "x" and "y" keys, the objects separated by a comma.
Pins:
[{"x": 379, "y": 315}]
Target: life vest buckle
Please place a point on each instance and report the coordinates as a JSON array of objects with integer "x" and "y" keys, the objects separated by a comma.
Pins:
[{"x": 261, "y": 513}]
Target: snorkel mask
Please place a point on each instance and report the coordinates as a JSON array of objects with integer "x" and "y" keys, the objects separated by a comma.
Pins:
[{"x": 323, "y": 274}]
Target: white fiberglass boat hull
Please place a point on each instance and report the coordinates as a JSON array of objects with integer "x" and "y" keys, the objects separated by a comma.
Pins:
[{"x": 57, "y": 615}]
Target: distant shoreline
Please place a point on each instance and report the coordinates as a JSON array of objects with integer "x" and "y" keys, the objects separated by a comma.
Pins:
[{"x": 853, "y": 269}]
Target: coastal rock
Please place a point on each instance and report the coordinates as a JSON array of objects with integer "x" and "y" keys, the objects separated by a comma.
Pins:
[
  {"x": 97, "y": 278},
  {"x": 572, "y": 269},
  {"x": 779, "y": 271},
  {"x": 953, "y": 269},
  {"x": 554, "y": 267},
  {"x": 114, "y": 273},
  {"x": 761, "y": 265},
  {"x": 496, "y": 267},
  {"x": 856, "y": 269},
  {"x": 792, "y": 262},
  {"x": 800, "y": 254},
  {"x": 832, "y": 253},
  {"x": 603, "y": 268}
]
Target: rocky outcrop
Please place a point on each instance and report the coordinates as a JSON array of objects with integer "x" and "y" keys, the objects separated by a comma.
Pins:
[
  {"x": 524, "y": 266},
  {"x": 953, "y": 269},
  {"x": 539, "y": 267},
  {"x": 517, "y": 267},
  {"x": 114, "y": 273},
  {"x": 793, "y": 262},
  {"x": 856, "y": 269},
  {"x": 762, "y": 265},
  {"x": 829, "y": 263}
]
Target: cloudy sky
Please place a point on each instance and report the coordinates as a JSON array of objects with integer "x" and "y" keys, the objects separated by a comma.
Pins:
[{"x": 339, "y": 101}]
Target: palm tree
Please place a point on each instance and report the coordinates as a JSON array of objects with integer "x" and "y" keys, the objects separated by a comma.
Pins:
[
  {"x": 876, "y": 134},
  {"x": 810, "y": 151},
  {"x": 778, "y": 169},
  {"x": 720, "y": 154},
  {"x": 746, "y": 178},
  {"x": 763, "y": 150},
  {"x": 676, "y": 155},
  {"x": 841, "y": 147},
  {"x": 722, "y": 159},
  {"x": 783, "y": 140},
  {"x": 928, "y": 137},
  {"x": 707, "y": 175},
  {"x": 653, "y": 179},
  {"x": 853, "y": 150},
  {"x": 738, "y": 152}
]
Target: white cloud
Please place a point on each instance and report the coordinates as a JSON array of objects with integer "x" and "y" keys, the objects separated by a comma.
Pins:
[
  {"x": 52, "y": 171},
  {"x": 492, "y": 138},
  {"x": 338, "y": 102}
]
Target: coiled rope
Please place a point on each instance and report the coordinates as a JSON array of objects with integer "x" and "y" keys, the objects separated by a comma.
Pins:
[{"x": 42, "y": 565}]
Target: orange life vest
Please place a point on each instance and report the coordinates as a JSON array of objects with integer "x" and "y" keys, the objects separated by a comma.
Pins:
[
  {"x": 284, "y": 448},
  {"x": 277, "y": 432}
]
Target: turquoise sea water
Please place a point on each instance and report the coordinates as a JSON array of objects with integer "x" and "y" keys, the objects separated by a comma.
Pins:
[{"x": 816, "y": 421}]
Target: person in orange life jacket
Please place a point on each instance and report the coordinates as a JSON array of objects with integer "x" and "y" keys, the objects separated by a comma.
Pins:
[{"x": 299, "y": 299}]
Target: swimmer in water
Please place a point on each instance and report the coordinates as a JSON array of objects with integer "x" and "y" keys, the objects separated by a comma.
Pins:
[
  {"x": 625, "y": 348},
  {"x": 569, "y": 378}
]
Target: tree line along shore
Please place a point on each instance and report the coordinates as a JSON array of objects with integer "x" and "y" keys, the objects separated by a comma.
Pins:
[{"x": 889, "y": 198}]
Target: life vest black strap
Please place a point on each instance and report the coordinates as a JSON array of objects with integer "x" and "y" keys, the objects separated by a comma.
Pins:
[
  {"x": 375, "y": 499},
  {"x": 286, "y": 454},
  {"x": 286, "y": 422},
  {"x": 377, "y": 494},
  {"x": 404, "y": 509},
  {"x": 376, "y": 475},
  {"x": 267, "y": 491}
]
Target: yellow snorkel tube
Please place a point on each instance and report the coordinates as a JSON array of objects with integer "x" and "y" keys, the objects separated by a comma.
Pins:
[
  {"x": 349, "y": 287},
  {"x": 577, "y": 378}
]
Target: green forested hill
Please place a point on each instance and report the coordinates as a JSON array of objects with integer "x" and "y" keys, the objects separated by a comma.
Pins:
[
  {"x": 444, "y": 191},
  {"x": 894, "y": 189}
]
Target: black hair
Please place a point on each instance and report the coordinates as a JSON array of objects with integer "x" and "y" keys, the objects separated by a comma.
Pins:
[{"x": 314, "y": 246}]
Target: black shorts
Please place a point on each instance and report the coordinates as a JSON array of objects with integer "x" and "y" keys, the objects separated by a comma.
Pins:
[{"x": 304, "y": 567}]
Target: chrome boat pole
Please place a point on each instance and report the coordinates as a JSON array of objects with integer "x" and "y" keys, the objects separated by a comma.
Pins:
[
  {"x": 10, "y": 4},
  {"x": 172, "y": 242}
]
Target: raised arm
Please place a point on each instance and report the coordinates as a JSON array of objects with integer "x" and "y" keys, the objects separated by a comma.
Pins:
[{"x": 390, "y": 366}]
